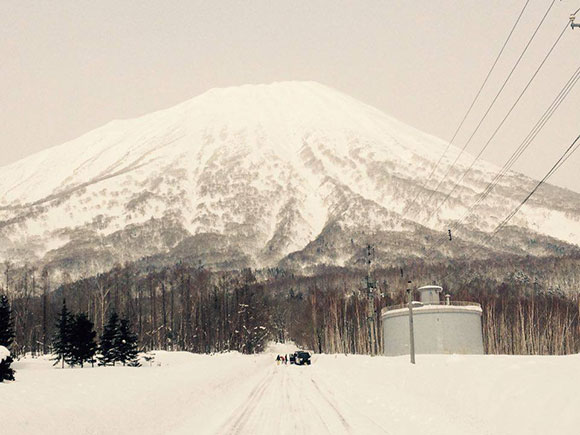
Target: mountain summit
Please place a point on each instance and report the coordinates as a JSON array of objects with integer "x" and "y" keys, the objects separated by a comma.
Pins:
[{"x": 291, "y": 174}]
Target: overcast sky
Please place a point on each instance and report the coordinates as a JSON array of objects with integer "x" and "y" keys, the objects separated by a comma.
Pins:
[{"x": 70, "y": 66}]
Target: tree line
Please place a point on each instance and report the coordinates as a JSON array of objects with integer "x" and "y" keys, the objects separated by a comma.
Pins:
[{"x": 530, "y": 305}]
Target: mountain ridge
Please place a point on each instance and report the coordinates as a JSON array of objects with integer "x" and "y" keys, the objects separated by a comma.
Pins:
[{"x": 263, "y": 171}]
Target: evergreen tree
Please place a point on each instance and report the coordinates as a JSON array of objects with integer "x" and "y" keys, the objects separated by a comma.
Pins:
[
  {"x": 62, "y": 340},
  {"x": 6, "y": 339},
  {"x": 127, "y": 345},
  {"x": 82, "y": 340},
  {"x": 6, "y": 325},
  {"x": 109, "y": 345}
]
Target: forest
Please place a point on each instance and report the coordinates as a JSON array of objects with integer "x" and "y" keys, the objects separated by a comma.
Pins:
[{"x": 530, "y": 305}]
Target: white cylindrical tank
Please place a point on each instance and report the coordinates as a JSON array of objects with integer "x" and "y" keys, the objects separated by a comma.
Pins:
[{"x": 439, "y": 329}]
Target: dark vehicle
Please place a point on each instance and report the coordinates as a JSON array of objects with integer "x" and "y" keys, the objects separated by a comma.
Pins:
[{"x": 301, "y": 358}]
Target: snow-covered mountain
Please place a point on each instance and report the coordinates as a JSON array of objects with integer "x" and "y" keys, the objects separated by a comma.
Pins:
[{"x": 292, "y": 173}]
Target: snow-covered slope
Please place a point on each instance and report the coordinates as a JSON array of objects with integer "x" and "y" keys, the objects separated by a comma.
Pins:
[{"x": 291, "y": 172}]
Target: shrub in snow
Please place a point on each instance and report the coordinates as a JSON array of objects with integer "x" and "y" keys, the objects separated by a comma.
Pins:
[
  {"x": 6, "y": 372},
  {"x": 149, "y": 357},
  {"x": 6, "y": 338},
  {"x": 6, "y": 326}
]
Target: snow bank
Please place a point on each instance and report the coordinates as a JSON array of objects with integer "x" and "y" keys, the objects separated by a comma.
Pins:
[
  {"x": 4, "y": 353},
  {"x": 281, "y": 348}
]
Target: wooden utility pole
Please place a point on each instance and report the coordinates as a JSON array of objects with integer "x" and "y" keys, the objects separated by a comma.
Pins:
[
  {"x": 411, "y": 332},
  {"x": 370, "y": 287},
  {"x": 45, "y": 291}
]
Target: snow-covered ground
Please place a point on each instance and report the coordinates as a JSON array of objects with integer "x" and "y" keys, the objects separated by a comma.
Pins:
[{"x": 184, "y": 393}]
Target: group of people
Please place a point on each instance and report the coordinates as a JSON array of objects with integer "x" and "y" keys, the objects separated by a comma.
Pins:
[{"x": 281, "y": 359}]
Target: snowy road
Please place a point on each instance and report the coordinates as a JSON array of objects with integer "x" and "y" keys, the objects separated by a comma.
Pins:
[
  {"x": 235, "y": 394},
  {"x": 283, "y": 399},
  {"x": 288, "y": 399}
]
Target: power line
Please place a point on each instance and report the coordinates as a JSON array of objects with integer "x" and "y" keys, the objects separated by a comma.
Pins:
[
  {"x": 503, "y": 121},
  {"x": 563, "y": 158},
  {"x": 520, "y": 150},
  {"x": 567, "y": 157},
  {"x": 495, "y": 99},
  {"x": 535, "y": 131},
  {"x": 569, "y": 151},
  {"x": 470, "y": 107}
]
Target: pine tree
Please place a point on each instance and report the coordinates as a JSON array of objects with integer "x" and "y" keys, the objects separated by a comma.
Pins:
[
  {"x": 109, "y": 344},
  {"x": 127, "y": 345},
  {"x": 82, "y": 340},
  {"x": 6, "y": 325},
  {"x": 6, "y": 339},
  {"x": 61, "y": 341}
]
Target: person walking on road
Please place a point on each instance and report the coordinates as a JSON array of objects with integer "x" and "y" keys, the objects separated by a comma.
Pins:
[{"x": 278, "y": 360}]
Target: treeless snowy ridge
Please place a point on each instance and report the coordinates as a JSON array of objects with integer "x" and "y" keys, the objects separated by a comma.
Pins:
[{"x": 184, "y": 393}]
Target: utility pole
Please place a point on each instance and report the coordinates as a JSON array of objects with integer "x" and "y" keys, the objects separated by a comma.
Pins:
[
  {"x": 411, "y": 332},
  {"x": 370, "y": 288},
  {"x": 45, "y": 291}
]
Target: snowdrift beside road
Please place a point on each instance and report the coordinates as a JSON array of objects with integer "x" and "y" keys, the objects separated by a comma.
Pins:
[{"x": 4, "y": 353}]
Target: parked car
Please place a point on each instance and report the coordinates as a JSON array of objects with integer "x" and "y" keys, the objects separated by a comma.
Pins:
[{"x": 301, "y": 358}]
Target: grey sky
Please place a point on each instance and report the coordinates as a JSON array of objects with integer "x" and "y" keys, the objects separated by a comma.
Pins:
[{"x": 70, "y": 66}]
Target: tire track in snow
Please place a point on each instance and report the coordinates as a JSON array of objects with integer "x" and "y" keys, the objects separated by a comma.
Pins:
[
  {"x": 238, "y": 420},
  {"x": 319, "y": 413},
  {"x": 350, "y": 406},
  {"x": 326, "y": 399},
  {"x": 290, "y": 400},
  {"x": 306, "y": 415}
]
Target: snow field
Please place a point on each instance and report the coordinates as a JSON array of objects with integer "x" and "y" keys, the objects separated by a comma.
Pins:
[{"x": 183, "y": 393}]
